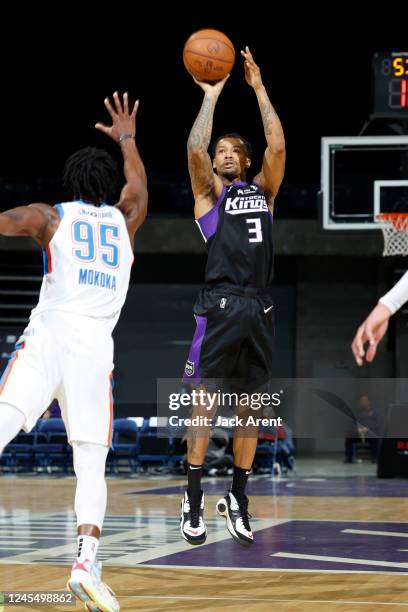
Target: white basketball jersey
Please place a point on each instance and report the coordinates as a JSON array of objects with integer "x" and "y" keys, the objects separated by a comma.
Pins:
[{"x": 87, "y": 263}]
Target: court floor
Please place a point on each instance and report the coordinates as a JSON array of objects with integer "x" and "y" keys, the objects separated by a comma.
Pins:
[{"x": 321, "y": 543}]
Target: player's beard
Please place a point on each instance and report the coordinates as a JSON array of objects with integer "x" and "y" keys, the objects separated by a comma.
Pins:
[{"x": 230, "y": 175}]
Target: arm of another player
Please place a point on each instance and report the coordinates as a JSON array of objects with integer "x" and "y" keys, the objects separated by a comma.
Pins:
[
  {"x": 373, "y": 329},
  {"x": 133, "y": 198},
  {"x": 273, "y": 164},
  {"x": 206, "y": 185},
  {"x": 39, "y": 221}
]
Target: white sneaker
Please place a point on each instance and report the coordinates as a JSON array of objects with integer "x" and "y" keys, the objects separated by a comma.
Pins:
[
  {"x": 86, "y": 584},
  {"x": 237, "y": 518},
  {"x": 192, "y": 524}
]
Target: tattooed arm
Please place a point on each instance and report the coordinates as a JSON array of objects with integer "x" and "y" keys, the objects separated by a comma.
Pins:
[
  {"x": 273, "y": 165},
  {"x": 206, "y": 185}
]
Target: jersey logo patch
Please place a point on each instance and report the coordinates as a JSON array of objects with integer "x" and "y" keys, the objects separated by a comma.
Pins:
[
  {"x": 223, "y": 302},
  {"x": 189, "y": 369}
]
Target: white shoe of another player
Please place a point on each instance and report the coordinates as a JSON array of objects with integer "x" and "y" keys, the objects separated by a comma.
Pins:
[{"x": 86, "y": 584}]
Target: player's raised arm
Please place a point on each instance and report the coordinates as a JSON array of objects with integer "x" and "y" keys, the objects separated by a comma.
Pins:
[
  {"x": 206, "y": 185},
  {"x": 133, "y": 198},
  {"x": 39, "y": 221},
  {"x": 273, "y": 165}
]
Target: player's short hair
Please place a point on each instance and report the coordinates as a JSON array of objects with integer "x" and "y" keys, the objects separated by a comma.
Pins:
[
  {"x": 91, "y": 174},
  {"x": 247, "y": 145}
]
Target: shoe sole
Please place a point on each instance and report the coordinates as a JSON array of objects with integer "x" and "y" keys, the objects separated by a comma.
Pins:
[
  {"x": 222, "y": 510},
  {"x": 80, "y": 593},
  {"x": 84, "y": 593},
  {"x": 195, "y": 542}
]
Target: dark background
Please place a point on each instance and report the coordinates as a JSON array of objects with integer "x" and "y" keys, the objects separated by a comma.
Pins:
[{"x": 58, "y": 66}]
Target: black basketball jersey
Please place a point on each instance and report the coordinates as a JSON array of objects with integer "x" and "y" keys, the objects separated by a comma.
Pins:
[{"x": 238, "y": 233}]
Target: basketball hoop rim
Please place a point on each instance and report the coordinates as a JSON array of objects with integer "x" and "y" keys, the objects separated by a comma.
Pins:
[
  {"x": 391, "y": 215},
  {"x": 398, "y": 220}
]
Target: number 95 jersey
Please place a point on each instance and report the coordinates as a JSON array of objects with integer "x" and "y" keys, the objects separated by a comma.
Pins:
[
  {"x": 238, "y": 233},
  {"x": 87, "y": 263}
]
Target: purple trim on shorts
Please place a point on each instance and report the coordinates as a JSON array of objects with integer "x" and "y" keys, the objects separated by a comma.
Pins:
[
  {"x": 192, "y": 373},
  {"x": 208, "y": 223}
]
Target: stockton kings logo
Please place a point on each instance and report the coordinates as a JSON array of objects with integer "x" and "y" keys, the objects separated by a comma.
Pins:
[{"x": 189, "y": 369}]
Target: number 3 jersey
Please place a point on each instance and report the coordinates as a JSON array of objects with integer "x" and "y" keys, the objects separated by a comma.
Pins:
[
  {"x": 238, "y": 233},
  {"x": 87, "y": 263}
]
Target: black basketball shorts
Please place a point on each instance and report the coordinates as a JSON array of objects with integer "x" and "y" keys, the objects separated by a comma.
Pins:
[{"x": 234, "y": 337}]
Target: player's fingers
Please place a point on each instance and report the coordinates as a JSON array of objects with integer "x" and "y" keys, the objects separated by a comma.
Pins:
[
  {"x": 371, "y": 352},
  {"x": 103, "y": 128},
  {"x": 109, "y": 107},
  {"x": 358, "y": 345},
  {"x": 357, "y": 356},
  {"x": 126, "y": 103},
  {"x": 117, "y": 102},
  {"x": 135, "y": 107},
  {"x": 249, "y": 53},
  {"x": 369, "y": 331}
]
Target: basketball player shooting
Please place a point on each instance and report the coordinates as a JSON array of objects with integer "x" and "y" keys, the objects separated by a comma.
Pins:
[
  {"x": 234, "y": 312},
  {"x": 66, "y": 351},
  {"x": 374, "y": 328}
]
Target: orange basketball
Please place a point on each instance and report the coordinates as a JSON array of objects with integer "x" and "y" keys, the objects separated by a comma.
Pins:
[{"x": 209, "y": 55}]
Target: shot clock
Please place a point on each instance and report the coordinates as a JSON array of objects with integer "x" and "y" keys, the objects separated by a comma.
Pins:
[{"x": 390, "y": 85}]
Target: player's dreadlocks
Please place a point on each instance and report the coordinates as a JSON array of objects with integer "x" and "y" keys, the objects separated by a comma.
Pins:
[{"x": 90, "y": 174}]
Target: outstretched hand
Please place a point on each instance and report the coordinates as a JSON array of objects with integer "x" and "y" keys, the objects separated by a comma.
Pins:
[
  {"x": 212, "y": 88},
  {"x": 372, "y": 330},
  {"x": 122, "y": 121},
  {"x": 252, "y": 71}
]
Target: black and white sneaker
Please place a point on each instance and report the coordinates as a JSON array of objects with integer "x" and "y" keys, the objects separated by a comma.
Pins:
[
  {"x": 192, "y": 524},
  {"x": 237, "y": 518}
]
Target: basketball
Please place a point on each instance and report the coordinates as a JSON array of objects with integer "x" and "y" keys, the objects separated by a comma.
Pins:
[{"x": 209, "y": 55}]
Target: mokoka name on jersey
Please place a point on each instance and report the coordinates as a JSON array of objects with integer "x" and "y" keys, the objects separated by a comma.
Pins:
[{"x": 97, "y": 279}]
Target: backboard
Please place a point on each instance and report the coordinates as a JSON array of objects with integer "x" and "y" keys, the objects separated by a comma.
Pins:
[{"x": 362, "y": 176}]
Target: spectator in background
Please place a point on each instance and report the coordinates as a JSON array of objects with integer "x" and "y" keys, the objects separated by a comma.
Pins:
[{"x": 363, "y": 430}]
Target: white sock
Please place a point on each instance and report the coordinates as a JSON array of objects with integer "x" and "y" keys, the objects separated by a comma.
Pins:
[{"x": 87, "y": 548}]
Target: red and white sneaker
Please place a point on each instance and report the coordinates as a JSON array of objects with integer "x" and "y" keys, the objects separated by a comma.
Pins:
[
  {"x": 192, "y": 524},
  {"x": 86, "y": 584}
]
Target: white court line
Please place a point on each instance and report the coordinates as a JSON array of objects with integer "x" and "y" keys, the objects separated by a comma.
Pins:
[
  {"x": 270, "y": 569},
  {"x": 259, "y": 599},
  {"x": 340, "y": 560},
  {"x": 392, "y": 534}
]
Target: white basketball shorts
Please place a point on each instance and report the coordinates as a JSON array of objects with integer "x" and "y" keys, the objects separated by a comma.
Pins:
[{"x": 68, "y": 357}]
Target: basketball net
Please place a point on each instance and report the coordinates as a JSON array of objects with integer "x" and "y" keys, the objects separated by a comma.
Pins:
[{"x": 394, "y": 227}]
